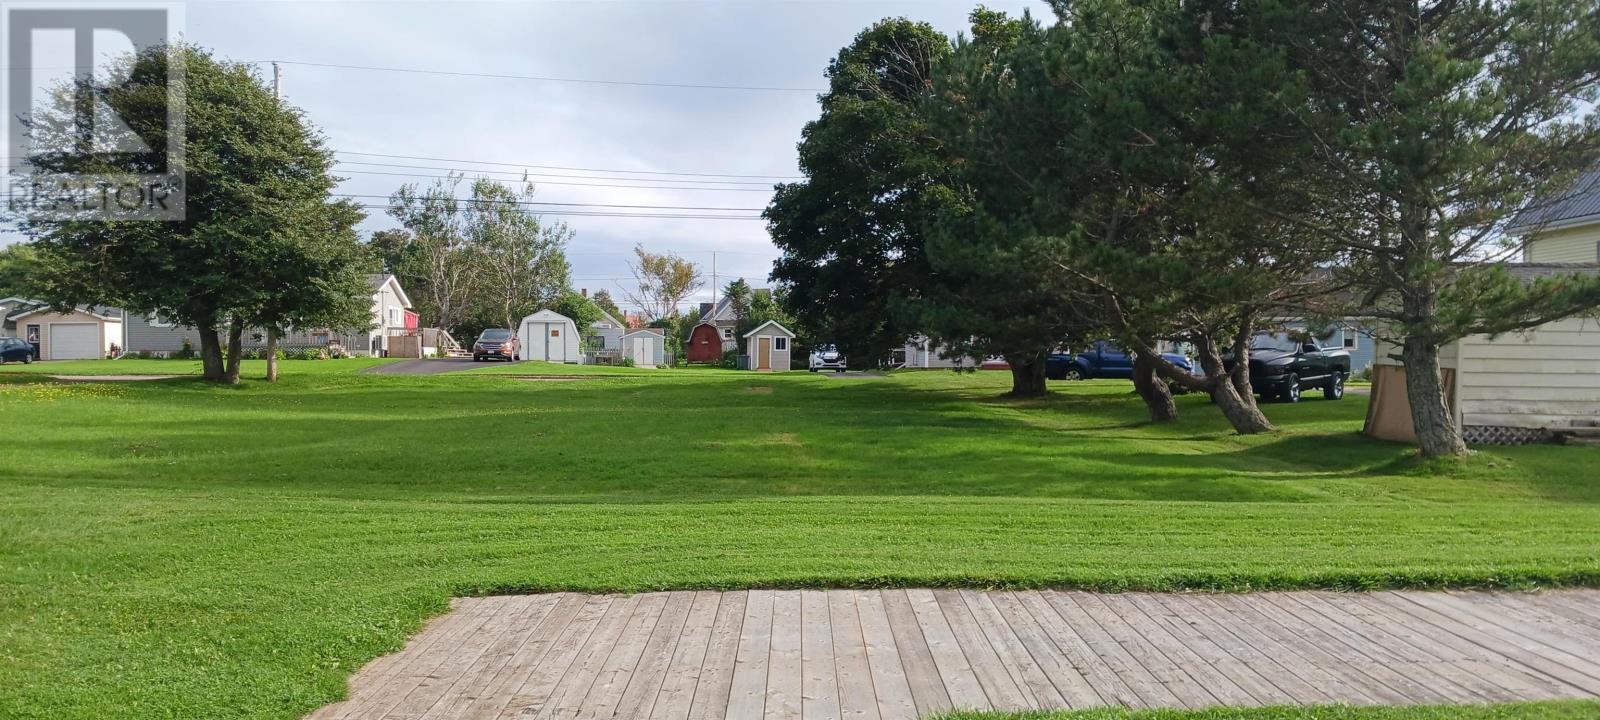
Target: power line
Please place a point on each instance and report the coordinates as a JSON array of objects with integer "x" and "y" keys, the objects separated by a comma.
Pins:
[
  {"x": 569, "y": 204},
  {"x": 580, "y": 213},
  {"x": 559, "y": 175},
  {"x": 500, "y": 76},
  {"x": 561, "y": 167},
  {"x": 567, "y": 184}
]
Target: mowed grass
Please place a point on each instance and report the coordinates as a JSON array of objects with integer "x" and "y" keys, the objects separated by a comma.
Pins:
[{"x": 169, "y": 549}]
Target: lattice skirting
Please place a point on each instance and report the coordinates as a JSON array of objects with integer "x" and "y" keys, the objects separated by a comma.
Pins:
[{"x": 1497, "y": 435}]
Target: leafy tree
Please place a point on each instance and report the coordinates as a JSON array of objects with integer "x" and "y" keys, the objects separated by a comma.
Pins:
[
  {"x": 662, "y": 281},
  {"x": 602, "y": 299},
  {"x": 19, "y": 269},
  {"x": 523, "y": 261},
  {"x": 397, "y": 251},
  {"x": 851, "y": 233},
  {"x": 583, "y": 311},
  {"x": 445, "y": 260},
  {"x": 1434, "y": 122},
  {"x": 257, "y": 185}
]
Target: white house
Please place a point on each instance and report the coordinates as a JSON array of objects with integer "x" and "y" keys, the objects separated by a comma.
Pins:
[
  {"x": 1564, "y": 230},
  {"x": 1515, "y": 388},
  {"x": 548, "y": 336}
]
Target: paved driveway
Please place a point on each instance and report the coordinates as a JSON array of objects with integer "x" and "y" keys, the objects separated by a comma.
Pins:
[{"x": 425, "y": 366}]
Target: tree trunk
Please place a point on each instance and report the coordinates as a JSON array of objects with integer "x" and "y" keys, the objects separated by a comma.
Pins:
[
  {"x": 230, "y": 374},
  {"x": 1153, "y": 389},
  {"x": 272, "y": 355},
  {"x": 1435, "y": 425},
  {"x": 1027, "y": 376},
  {"x": 1240, "y": 409},
  {"x": 210, "y": 354}
]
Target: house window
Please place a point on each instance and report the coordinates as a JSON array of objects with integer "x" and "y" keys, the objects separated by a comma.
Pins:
[
  {"x": 394, "y": 316},
  {"x": 727, "y": 333},
  {"x": 780, "y": 343},
  {"x": 1349, "y": 340},
  {"x": 156, "y": 321}
]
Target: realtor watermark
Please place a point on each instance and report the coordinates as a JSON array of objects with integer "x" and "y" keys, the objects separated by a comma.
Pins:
[{"x": 93, "y": 111}]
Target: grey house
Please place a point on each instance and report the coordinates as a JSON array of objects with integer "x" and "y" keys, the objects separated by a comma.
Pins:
[{"x": 390, "y": 310}]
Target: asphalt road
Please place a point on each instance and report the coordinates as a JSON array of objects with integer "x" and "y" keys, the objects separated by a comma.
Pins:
[{"x": 425, "y": 366}]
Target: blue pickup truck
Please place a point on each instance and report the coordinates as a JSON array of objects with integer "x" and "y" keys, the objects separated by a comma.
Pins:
[{"x": 1101, "y": 360}]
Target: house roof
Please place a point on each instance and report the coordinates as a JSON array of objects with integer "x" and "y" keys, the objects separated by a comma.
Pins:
[
  {"x": 1580, "y": 205},
  {"x": 1536, "y": 271},
  {"x": 379, "y": 280},
  {"x": 773, "y": 323},
  {"x": 608, "y": 317},
  {"x": 111, "y": 314},
  {"x": 722, "y": 304}
]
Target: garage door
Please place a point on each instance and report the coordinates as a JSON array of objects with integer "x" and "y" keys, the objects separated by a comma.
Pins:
[{"x": 74, "y": 341}]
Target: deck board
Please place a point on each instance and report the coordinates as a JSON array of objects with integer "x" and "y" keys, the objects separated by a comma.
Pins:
[{"x": 903, "y": 654}]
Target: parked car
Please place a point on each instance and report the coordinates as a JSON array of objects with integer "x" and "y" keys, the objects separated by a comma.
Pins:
[
  {"x": 827, "y": 357},
  {"x": 1101, "y": 360},
  {"x": 15, "y": 350},
  {"x": 496, "y": 343},
  {"x": 1282, "y": 367}
]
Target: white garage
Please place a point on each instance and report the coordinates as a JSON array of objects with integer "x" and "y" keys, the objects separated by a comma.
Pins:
[
  {"x": 74, "y": 341},
  {"x": 549, "y": 336},
  {"x": 79, "y": 334}
]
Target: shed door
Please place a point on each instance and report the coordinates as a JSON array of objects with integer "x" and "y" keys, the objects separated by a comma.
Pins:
[
  {"x": 763, "y": 353},
  {"x": 74, "y": 341},
  {"x": 641, "y": 351},
  {"x": 555, "y": 346}
]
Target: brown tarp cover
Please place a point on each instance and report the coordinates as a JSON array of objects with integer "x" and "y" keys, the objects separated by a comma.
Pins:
[{"x": 1389, "y": 413}]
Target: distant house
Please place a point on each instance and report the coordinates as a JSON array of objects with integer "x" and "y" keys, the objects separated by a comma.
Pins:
[
  {"x": 721, "y": 316},
  {"x": 1564, "y": 230},
  {"x": 1518, "y": 387},
  {"x": 82, "y": 333},
  {"x": 390, "y": 317},
  {"x": 604, "y": 335},
  {"x": 1351, "y": 334}
]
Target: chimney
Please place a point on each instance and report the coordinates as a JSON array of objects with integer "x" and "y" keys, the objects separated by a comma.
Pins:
[{"x": 583, "y": 291}]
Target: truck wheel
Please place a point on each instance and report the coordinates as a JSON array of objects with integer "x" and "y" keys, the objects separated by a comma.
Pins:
[
  {"x": 813, "y": 369},
  {"x": 1334, "y": 390},
  {"x": 1291, "y": 392},
  {"x": 1072, "y": 373}
]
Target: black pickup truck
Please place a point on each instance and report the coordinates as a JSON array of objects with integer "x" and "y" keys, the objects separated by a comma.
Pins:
[{"x": 1282, "y": 367}]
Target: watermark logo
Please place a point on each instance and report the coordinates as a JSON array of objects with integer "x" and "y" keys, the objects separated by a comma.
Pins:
[{"x": 93, "y": 111}]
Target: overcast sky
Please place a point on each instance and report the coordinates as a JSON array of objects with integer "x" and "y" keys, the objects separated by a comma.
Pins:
[{"x": 616, "y": 127}]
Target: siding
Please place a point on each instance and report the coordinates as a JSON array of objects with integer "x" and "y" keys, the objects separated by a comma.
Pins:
[
  {"x": 1547, "y": 378},
  {"x": 1568, "y": 245}
]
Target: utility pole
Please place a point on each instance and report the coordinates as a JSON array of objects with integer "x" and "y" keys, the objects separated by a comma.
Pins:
[
  {"x": 272, "y": 332},
  {"x": 713, "y": 280}
]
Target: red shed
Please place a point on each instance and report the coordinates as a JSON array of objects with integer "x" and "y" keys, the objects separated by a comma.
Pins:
[{"x": 705, "y": 344}]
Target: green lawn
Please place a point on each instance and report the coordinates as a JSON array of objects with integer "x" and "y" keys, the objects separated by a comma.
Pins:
[
  {"x": 169, "y": 549},
  {"x": 135, "y": 366}
]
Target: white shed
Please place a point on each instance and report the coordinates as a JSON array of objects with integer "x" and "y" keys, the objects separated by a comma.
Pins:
[
  {"x": 1515, "y": 388},
  {"x": 768, "y": 346},
  {"x": 644, "y": 346},
  {"x": 549, "y": 336}
]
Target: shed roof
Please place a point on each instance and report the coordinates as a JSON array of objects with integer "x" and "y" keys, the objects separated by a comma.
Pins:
[
  {"x": 786, "y": 332},
  {"x": 651, "y": 331},
  {"x": 547, "y": 316}
]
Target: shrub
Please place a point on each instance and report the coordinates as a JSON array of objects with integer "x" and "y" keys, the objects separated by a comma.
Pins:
[
  {"x": 1365, "y": 375},
  {"x": 186, "y": 352},
  {"x": 730, "y": 359},
  {"x": 627, "y": 362},
  {"x": 312, "y": 353}
]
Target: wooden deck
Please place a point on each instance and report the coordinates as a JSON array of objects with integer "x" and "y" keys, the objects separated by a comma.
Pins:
[{"x": 906, "y": 653}]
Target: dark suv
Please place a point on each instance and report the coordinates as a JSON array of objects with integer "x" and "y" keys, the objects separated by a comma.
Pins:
[
  {"x": 496, "y": 343},
  {"x": 1281, "y": 367}
]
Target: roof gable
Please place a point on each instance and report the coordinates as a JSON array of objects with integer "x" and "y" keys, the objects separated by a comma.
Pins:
[
  {"x": 775, "y": 325},
  {"x": 379, "y": 281}
]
